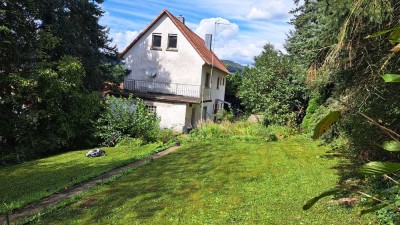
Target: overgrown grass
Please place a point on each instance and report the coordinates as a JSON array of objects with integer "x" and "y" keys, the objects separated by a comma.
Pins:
[
  {"x": 31, "y": 181},
  {"x": 219, "y": 182},
  {"x": 240, "y": 130}
]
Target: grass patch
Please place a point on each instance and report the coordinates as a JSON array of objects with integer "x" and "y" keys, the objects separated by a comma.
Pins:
[
  {"x": 219, "y": 182},
  {"x": 240, "y": 130},
  {"x": 28, "y": 182}
]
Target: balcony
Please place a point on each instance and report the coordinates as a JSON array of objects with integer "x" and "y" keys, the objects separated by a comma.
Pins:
[{"x": 192, "y": 93}]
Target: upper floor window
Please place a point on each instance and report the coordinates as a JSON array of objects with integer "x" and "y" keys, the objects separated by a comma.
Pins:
[
  {"x": 218, "y": 81},
  {"x": 172, "y": 41},
  {"x": 156, "y": 41},
  {"x": 207, "y": 83}
]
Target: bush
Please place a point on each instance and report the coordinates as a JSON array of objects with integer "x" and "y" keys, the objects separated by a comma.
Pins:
[
  {"x": 224, "y": 114},
  {"x": 123, "y": 117},
  {"x": 240, "y": 130},
  {"x": 167, "y": 135},
  {"x": 313, "y": 105},
  {"x": 129, "y": 142}
]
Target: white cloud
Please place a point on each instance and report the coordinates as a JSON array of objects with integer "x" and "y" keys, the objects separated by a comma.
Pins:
[
  {"x": 222, "y": 27},
  {"x": 252, "y": 23},
  {"x": 123, "y": 39},
  {"x": 229, "y": 43},
  {"x": 269, "y": 9}
]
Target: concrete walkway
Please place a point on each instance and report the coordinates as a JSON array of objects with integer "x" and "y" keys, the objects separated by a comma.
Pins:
[{"x": 55, "y": 198}]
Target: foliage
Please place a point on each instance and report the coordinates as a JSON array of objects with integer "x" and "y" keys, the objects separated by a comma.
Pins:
[
  {"x": 167, "y": 136},
  {"x": 325, "y": 124},
  {"x": 241, "y": 130},
  {"x": 225, "y": 114},
  {"x": 51, "y": 73},
  {"x": 218, "y": 182},
  {"x": 56, "y": 110},
  {"x": 331, "y": 35},
  {"x": 34, "y": 180},
  {"x": 124, "y": 117},
  {"x": 313, "y": 105},
  {"x": 129, "y": 142},
  {"x": 233, "y": 82},
  {"x": 275, "y": 87}
]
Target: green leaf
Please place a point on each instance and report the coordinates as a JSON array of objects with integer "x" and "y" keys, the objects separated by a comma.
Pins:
[
  {"x": 379, "y": 168},
  {"x": 389, "y": 78},
  {"x": 395, "y": 35},
  {"x": 314, "y": 200},
  {"x": 373, "y": 209},
  {"x": 380, "y": 33},
  {"x": 391, "y": 146},
  {"x": 325, "y": 124}
]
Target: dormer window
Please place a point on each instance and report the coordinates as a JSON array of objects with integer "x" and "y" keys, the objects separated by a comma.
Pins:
[
  {"x": 172, "y": 41},
  {"x": 156, "y": 41}
]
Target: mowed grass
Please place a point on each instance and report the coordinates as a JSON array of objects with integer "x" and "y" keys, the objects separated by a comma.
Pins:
[
  {"x": 31, "y": 181},
  {"x": 221, "y": 182}
]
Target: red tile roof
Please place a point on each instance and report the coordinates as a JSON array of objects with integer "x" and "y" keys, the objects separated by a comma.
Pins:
[{"x": 197, "y": 42}]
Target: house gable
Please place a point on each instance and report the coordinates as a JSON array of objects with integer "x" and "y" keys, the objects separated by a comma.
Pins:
[
  {"x": 181, "y": 65},
  {"x": 197, "y": 43}
]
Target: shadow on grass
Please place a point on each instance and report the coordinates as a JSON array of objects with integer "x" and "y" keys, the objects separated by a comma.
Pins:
[
  {"x": 34, "y": 180},
  {"x": 154, "y": 187}
]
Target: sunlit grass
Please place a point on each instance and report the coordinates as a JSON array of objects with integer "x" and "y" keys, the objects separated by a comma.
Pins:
[
  {"x": 219, "y": 182},
  {"x": 31, "y": 181}
]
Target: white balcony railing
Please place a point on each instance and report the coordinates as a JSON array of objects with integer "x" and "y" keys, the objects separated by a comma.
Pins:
[{"x": 151, "y": 87}]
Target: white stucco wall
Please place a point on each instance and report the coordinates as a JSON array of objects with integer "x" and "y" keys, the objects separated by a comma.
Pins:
[
  {"x": 172, "y": 115},
  {"x": 215, "y": 93},
  {"x": 183, "y": 66}
]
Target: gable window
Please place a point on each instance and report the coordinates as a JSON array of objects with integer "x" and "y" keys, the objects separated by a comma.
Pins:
[
  {"x": 207, "y": 84},
  {"x": 172, "y": 41},
  {"x": 156, "y": 41}
]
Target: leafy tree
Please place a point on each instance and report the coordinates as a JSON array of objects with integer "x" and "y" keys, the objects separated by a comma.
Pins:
[
  {"x": 275, "y": 87},
  {"x": 52, "y": 58}
]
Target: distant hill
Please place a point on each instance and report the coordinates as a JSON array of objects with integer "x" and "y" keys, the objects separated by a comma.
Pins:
[{"x": 232, "y": 66}]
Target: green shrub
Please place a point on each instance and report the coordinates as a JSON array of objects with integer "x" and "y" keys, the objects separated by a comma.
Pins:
[
  {"x": 313, "y": 105},
  {"x": 167, "y": 135},
  {"x": 123, "y": 117},
  {"x": 226, "y": 115},
  {"x": 129, "y": 142},
  {"x": 240, "y": 130}
]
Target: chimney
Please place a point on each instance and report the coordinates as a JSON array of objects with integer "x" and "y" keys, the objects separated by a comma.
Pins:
[
  {"x": 208, "y": 41},
  {"x": 181, "y": 18}
]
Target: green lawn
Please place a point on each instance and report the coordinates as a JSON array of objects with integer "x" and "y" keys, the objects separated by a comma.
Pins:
[
  {"x": 218, "y": 183},
  {"x": 31, "y": 181}
]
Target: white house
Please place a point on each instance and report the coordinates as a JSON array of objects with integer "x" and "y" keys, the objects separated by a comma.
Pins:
[{"x": 172, "y": 69}]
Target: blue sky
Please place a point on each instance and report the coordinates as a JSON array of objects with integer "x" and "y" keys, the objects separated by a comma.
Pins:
[{"x": 245, "y": 25}]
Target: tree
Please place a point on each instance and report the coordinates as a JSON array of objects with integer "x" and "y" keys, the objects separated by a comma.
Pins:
[
  {"x": 52, "y": 69},
  {"x": 275, "y": 87}
]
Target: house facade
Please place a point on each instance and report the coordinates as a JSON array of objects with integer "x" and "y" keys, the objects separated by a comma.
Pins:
[{"x": 175, "y": 72}]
